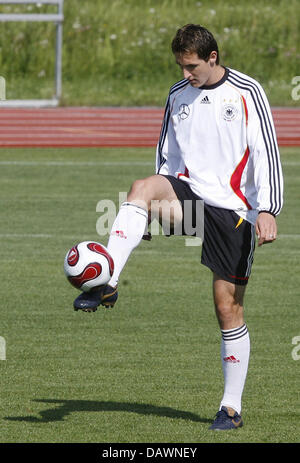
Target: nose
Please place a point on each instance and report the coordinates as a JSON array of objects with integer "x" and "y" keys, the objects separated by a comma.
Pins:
[{"x": 186, "y": 74}]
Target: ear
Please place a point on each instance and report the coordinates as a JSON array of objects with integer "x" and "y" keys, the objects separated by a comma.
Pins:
[{"x": 213, "y": 58}]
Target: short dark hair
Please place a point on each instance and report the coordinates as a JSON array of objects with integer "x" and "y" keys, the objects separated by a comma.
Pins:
[{"x": 193, "y": 38}]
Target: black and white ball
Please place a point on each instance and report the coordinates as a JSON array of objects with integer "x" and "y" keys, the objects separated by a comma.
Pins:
[{"x": 88, "y": 265}]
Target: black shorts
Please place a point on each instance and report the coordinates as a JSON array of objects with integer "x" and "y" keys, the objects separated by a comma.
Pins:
[{"x": 228, "y": 240}]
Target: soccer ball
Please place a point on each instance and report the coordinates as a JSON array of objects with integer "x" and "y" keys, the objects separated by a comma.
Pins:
[{"x": 87, "y": 265}]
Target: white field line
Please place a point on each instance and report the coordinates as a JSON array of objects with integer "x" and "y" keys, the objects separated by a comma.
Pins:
[
  {"x": 287, "y": 236},
  {"x": 25, "y": 235},
  {"x": 98, "y": 163},
  {"x": 291, "y": 163},
  {"x": 75, "y": 163},
  {"x": 80, "y": 238}
]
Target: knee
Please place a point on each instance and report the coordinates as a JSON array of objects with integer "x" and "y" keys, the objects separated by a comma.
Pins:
[
  {"x": 139, "y": 193},
  {"x": 226, "y": 310},
  {"x": 138, "y": 187},
  {"x": 229, "y": 314}
]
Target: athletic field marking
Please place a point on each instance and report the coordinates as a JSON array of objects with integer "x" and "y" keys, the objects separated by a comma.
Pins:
[
  {"x": 76, "y": 237},
  {"x": 24, "y": 235},
  {"x": 291, "y": 163},
  {"x": 74, "y": 163},
  {"x": 293, "y": 236},
  {"x": 98, "y": 163}
]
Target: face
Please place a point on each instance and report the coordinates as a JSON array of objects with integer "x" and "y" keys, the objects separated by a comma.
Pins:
[{"x": 196, "y": 70}]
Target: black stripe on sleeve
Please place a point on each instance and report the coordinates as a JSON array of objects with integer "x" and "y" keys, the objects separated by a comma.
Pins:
[
  {"x": 164, "y": 129},
  {"x": 269, "y": 137}
]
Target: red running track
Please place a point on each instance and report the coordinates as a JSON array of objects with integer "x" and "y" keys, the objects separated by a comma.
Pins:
[{"x": 103, "y": 127}]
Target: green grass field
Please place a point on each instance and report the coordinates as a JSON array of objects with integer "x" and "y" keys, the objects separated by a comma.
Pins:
[
  {"x": 148, "y": 370},
  {"x": 117, "y": 52}
]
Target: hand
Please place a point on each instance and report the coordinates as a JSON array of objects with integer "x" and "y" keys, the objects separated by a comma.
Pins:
[{"x": 266, "y": 228}]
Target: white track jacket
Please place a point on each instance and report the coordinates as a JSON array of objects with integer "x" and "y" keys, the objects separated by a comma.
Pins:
[{"x": 221, "y": 140}]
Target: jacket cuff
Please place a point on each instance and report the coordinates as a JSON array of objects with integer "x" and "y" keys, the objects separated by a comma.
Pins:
[{"x": 268, "y": 212}]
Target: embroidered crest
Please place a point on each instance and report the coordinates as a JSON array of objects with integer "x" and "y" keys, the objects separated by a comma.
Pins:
[{"x": 229, "y": 112}]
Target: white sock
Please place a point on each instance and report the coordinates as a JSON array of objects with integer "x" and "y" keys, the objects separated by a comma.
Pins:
[
  {"x": 235, "y": 353},
  {"x": 126, "y": 234}
]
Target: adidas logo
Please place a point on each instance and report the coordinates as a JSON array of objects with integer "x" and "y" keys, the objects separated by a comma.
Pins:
[
  {"x": 231, "y": 359},
  {"x": 205, "y": 100},
  {"x": 119, "y": 233}
]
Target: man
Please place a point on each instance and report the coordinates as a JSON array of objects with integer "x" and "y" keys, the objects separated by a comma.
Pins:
[{"x": 217, "y": 144}]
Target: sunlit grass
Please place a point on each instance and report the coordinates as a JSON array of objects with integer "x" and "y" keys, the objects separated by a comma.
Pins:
[
  {"x": 118, "y": 52},
  {"x": 148, "y": 370}
]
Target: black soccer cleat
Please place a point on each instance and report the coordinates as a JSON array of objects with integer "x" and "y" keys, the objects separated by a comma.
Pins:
[
  {"x": 109, "y": 296},
  {"x": 89, "y": 301},
  {"x": 226, "y": 419}
]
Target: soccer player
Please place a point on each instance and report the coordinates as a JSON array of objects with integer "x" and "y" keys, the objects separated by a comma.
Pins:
[{"x": 217, "y": 145}]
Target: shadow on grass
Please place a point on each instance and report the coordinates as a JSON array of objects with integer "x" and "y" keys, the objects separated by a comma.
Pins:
[{"x": 66, "y": 407}]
